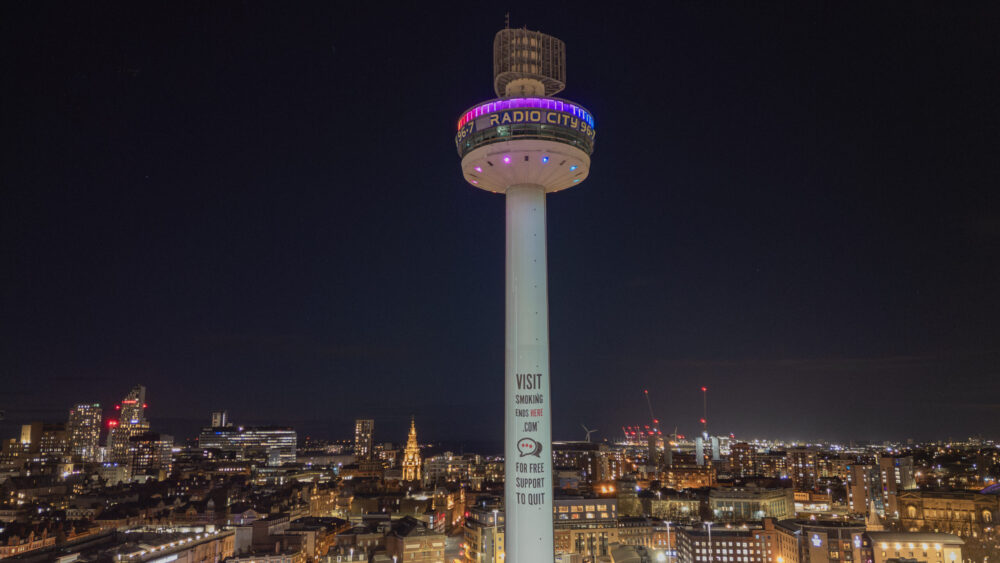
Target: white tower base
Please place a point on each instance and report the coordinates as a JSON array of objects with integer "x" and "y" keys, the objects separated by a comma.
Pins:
[{"x": 528, "y": 421}]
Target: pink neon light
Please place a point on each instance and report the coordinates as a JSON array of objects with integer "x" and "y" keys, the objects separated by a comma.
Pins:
[{"x": 516, "y": 103}]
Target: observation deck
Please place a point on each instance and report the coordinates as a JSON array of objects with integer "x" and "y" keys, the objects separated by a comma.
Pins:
[{"x": 512, "y": 119}]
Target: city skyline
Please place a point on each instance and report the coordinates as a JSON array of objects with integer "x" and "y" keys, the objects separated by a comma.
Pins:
[{"x": 790, "y": 207}]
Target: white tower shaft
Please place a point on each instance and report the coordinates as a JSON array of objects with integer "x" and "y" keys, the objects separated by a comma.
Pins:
[{"x": 528, "y": 434}]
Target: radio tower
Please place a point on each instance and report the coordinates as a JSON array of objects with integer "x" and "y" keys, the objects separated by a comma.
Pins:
[{"x": 524, "y": 145}]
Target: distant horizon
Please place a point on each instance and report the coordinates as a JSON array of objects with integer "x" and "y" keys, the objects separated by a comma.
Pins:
[{"x": 394, "y": 430}]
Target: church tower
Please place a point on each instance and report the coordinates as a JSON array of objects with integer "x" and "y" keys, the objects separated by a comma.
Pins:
[{"x": 411, "y": 455}]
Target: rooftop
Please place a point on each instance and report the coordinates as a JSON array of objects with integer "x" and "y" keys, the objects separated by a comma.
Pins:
[{"x": 910, "y": 537}]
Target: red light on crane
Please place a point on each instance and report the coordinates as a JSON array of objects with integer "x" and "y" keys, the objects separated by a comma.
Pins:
[
  {"x": 704, "y": 388},
  {"x": 703, "y": 421}
]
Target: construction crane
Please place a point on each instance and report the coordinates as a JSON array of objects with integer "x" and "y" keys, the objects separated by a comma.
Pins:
[{"x": 652, "y": 417}]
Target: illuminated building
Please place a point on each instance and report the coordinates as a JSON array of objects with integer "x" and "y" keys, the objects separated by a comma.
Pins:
[
  {"x": 587, "y": 526},
  {"x": 410, "y": 541},
  {"x": 275, "y": 444},
  {"x": 524, "y": 145},
  {"x": 54, "y": 440},
  {"x": 707, "y": 449},
  {"x": 880, "y": 485},
  {"x": 364, "y": 435},
  {"x": 448, "y": 467},
  {"x": 411, "y": 455},
  {"x": 689, "y": 477},
  {"x": 673, "y": 506},
  {"x": 220, "y": 419},
  {"x": 818, "y": 541},
  {"x": 926, "y": 547},
  {"x": 150, "y": 455},
  {"x": 84, "y": 428},
  {"x": 772, "y": 464},
  {"x": 45, "y": 439},
  {"x": 386, "y": 455},
  {"x": 483, "y": 534},
  {"x": 896, "y": 474},
  {"x": 742, "y": 459},
  {"x": 590, "y": 458},
  {"x": 131, "y": 421},
  {"x": 836, "y": 467},
  {"x": 812, "y": 503},
  {"x": 637, "y": 530},
  {"x": 963, "y": 513},
  {"x": 863, "y": 489},
  {"x": 717, "y": 544},
  {"x": 802, "y": 467},
  {"x": 750, "y": 504}
]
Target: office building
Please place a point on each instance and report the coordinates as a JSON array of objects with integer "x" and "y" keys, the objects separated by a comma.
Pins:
[
  {"x": 818, "y": 541},
  {"x": 587, "y": 526},
  {"x": 962, "y": 513},
  {"x": 220, "y": 419},
  {"x": 364, "y": 436},
  {"x": 750, "y": 504},
  {"x": 84, "y": 430},
  {"x": 924, "y": 547},
  {"x": 742, "y": 459},
  {"x": 802, "y": 468},
  {"x": 275, "y": 445},
  {"x": 131, "y": 421},
  {"x": 150, "y": 455},
  {"x": 703, "y": 544}
]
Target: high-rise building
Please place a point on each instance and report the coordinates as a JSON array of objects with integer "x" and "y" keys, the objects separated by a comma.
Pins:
[
  {"x": 864, "y": 487},
  {"x": 741, "y": 459},
  {"x": 150, "y": 455},
  {"x": 803, "y": 468},
  {"x": 131, "y": 421},
  {"x": 364, "y": 435},
  {"x": 879, "y": 485},
  {"x": 220, "y": 419},
  {"x": 897, "y": 475},
  {"x": 526, "y": 144},
  {"x": 44, "y": 439},
  {"x": 411, "y": 455},
  {"x": 84, "y": 429},
  {"x": 54, "y": 440}
]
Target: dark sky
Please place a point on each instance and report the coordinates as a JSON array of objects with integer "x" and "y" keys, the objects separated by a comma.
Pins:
[{"x": 258, "y": 206}]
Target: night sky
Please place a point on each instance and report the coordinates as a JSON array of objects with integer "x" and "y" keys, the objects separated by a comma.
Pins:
[{"x": 259, "y": 207}]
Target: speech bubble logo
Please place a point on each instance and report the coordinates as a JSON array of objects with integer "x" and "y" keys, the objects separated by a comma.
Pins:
[{"x": 527, "y": 446}]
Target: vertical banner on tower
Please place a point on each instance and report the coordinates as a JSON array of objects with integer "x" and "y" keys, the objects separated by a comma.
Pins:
[{"x": 528, "y": 435}]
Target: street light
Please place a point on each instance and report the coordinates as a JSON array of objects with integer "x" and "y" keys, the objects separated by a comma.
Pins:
[
  {"x": 709, "y": 526},
  {"x": 668, "y": 540},
  {"x": 495, "y": 528}
]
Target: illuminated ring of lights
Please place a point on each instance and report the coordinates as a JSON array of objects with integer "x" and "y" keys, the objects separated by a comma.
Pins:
[{"x": 554, "y": 104}]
